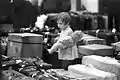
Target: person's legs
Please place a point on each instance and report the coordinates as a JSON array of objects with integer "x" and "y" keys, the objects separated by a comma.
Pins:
[
  {"x": 117, "y": 22},
  {"x": 110, "y": 21}
]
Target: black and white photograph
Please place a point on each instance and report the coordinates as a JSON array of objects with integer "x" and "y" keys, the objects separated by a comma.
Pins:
[{"x": 59, "y": 39}]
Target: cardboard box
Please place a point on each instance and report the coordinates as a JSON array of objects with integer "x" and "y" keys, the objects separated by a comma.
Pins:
[{"x": 25, "y": 45}]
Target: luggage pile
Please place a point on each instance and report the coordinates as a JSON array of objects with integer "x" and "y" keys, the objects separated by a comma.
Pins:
[
  {"x": 87, "y": 21},
  {"x": 93, "y": 45},
  {"x": 15, "y": 68},
  {"x": 98, "y": 67},
  {"x": 103, "y": 63},
  {"x": 91, "y": 71},
  {"x": 107, "y": 35},
  {"x": 98, "y": 60},
  {"x": 89, "y": 39},
  {"x": 93, "y": 67}
]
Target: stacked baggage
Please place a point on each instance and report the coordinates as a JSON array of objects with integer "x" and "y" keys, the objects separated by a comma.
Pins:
[
  {"x": 92, "y": 71},
  {"x": 104, "y": 34},
  {"x": 93, "y": 21},
  {"x": 88, "y": 39},
  {"x": 116, "y": 47},
  {"x": 90, "y": 21},
  {"x": 103, "y": 63},
  {"x": 77, "y": 22},
  {"x": 96, "y": 49},
  {"x": 87, "y": 21},
  {"x": 66, "y": 75},
  {"x": 29, "y": 67}
]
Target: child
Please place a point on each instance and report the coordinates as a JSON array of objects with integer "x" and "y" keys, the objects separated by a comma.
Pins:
[
  {"x": 68, "y": 41},
  {"x": 65, "y": 54}
]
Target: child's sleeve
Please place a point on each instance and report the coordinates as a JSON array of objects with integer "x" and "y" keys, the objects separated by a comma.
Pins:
[
  {"x": 65, "y": 43},
  {"x": 56, "y": 46}
]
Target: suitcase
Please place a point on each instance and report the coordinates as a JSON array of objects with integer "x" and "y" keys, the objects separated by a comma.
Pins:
[
  {"x": 77, "y": 22},
  {"x": 66, "y": 75},
  {"x": 25, "y": 45},
  {"x": 95, "y": 32},
  {"x": 118, "y": 35},
  {"x": 14, "y": 75},
  {"x": 103, "y": 63},
  {"x": 87, "y": 23},
  {"x": 96, "y": 49},
  {"x": 91, "y": 71},
  {"x": 90, "y": 32},
  {"x": 108, "y": 36},
  {"x": 93, "y": 21},
  {"x": 101, "y": 22},
  {"x": 88, "y": 39},
  {"x": 103, "y": 34},
  {"x": 116, "y": 46}
]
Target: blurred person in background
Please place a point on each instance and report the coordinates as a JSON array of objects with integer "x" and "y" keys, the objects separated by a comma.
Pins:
[
  {"x": 113, "y": 11},
  {"x": 24, "y": 14}
]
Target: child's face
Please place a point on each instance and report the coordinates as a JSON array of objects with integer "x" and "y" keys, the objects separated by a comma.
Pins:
[{"x": 61, "y": 24}]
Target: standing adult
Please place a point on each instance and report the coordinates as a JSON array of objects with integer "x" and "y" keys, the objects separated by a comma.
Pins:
[
  {"x": 24, "y": 14},
  {"x": 113, "y": 12}
]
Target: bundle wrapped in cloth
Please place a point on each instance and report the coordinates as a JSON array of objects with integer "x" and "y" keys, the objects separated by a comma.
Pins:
[
  {"x": 103, "y": 63},
  {"x": 66, "y": 75},
  {"x": 92, "y": 71},
  {"x": 68, "y": 41}
]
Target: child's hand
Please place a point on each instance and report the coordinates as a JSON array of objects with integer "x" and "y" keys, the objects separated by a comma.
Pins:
[{"x": 50, "y": 52}]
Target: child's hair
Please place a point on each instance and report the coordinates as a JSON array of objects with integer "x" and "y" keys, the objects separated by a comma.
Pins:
[{"x": 64, "y": 17}]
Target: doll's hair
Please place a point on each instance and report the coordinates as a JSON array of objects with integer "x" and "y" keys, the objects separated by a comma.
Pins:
[{"x": 77, "y": 35}]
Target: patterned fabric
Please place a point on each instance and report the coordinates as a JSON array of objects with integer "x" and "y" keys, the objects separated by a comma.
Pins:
[{"x": 14, "y": 75}]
